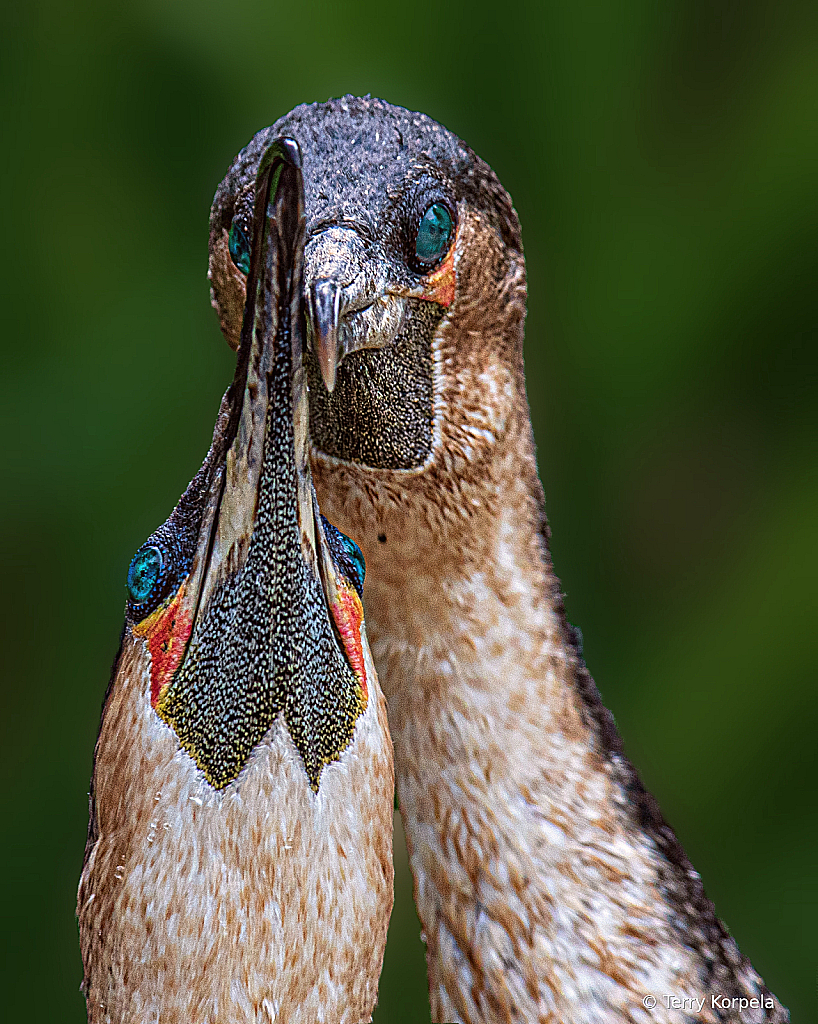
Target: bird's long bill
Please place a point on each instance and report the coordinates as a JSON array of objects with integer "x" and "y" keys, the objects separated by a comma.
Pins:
[
  {"x": 269, "y": 390},
  {"x": 262, "y": 587}
]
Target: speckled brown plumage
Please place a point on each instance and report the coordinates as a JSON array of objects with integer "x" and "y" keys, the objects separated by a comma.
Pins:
[
  {"x": 261, "y": 902},
  {"x": 549, "y": 886}
]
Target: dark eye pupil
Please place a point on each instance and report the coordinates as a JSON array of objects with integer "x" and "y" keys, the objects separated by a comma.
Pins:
[
  {"x": 239, "y": 245},
  {"x": 143, "y": 573},
  {"x": 434, "y": 232}
]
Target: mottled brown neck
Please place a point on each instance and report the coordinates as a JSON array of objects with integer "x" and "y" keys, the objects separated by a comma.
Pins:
[{"x": 545, "y": 877}]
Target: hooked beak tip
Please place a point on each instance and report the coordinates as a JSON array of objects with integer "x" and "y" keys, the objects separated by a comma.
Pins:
[{"x": 324, "y": 301}]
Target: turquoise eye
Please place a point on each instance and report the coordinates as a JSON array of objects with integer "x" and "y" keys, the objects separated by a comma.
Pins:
[
  {"x": 356, "y": 557},
  {"x": 144, "y": 573},
  {"x": 434, "y": 233},
  {"x": 347, "y": 557},
  {"x": 239, "y": 245}
]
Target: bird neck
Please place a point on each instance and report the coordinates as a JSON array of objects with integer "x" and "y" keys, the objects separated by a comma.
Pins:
[
  {"x": 472, "y": 616},
  {"x": 542, "y": 868}
]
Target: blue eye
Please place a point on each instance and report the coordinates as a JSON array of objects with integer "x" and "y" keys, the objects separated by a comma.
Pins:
[
  {"x": 239, "y": 245},
  {"x": 346, "y": 556},
  {"x": 358, "y": 565},
  {"x": 434, "y": 234},
  {"x": 144, "y": 573}
]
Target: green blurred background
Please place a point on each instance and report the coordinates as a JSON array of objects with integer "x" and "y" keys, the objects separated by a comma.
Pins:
[{"x": 662, "y": 157}]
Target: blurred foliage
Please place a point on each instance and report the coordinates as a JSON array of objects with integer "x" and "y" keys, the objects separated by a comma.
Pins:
[{"x": 663, "y": 161}]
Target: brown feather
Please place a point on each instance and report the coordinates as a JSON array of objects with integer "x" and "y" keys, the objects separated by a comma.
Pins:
[
  {"x": 548, "y": 884},
  {"x": 255, "y": 903}
]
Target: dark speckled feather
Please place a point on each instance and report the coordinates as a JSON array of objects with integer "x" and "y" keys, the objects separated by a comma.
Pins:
[{"x": 262, "y": 646}]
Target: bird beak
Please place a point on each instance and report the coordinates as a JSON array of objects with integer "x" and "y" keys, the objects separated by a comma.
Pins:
[
  {"x": 271, "y": 441},
  {"x": 270, "y": 617},
  {"x": 351, "y": 302},
  {"x": 324, "y": 304}
]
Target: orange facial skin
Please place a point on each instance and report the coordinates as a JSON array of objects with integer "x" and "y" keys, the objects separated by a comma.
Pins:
[
  {"x": 348, "y": 613},
  {"x": 440, "y": 283},
  {"x": 167, "y": 631}
]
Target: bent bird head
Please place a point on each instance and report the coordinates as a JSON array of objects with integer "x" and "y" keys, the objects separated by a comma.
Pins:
[
  {"x": 414, "y": 285},
  {"x": 247, "y": 603}
]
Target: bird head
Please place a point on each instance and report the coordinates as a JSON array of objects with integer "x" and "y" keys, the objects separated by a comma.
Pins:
[
  {"x": 246, "y": 603},
  {"x": 414, "y": 286}
]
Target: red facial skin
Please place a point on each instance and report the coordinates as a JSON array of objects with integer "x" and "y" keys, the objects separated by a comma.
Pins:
[
  {"x": 167, "y": 631},
  {"x": 348, "y": 613}
]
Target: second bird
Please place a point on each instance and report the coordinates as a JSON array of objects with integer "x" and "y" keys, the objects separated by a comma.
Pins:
[{"x": 549, "y": 886}]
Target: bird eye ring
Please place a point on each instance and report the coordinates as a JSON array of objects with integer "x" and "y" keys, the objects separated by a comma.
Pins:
[
  {"x": 357, "y": 565},
  {"x": 434, "y": 234},
  {"x": 148, "y": 577},
  {"x": 239, "y": 245},
  {"x": 346, "y": 556}
]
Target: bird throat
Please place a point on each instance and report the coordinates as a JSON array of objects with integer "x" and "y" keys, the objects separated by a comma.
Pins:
[
  {"x": 264, "y": 645},
  {"x": 381, "y": 413}
]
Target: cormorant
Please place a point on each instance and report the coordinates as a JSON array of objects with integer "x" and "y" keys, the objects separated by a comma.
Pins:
[
  {"x": 549, "y": 886},
  {"x": 239, "y": 857}
]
